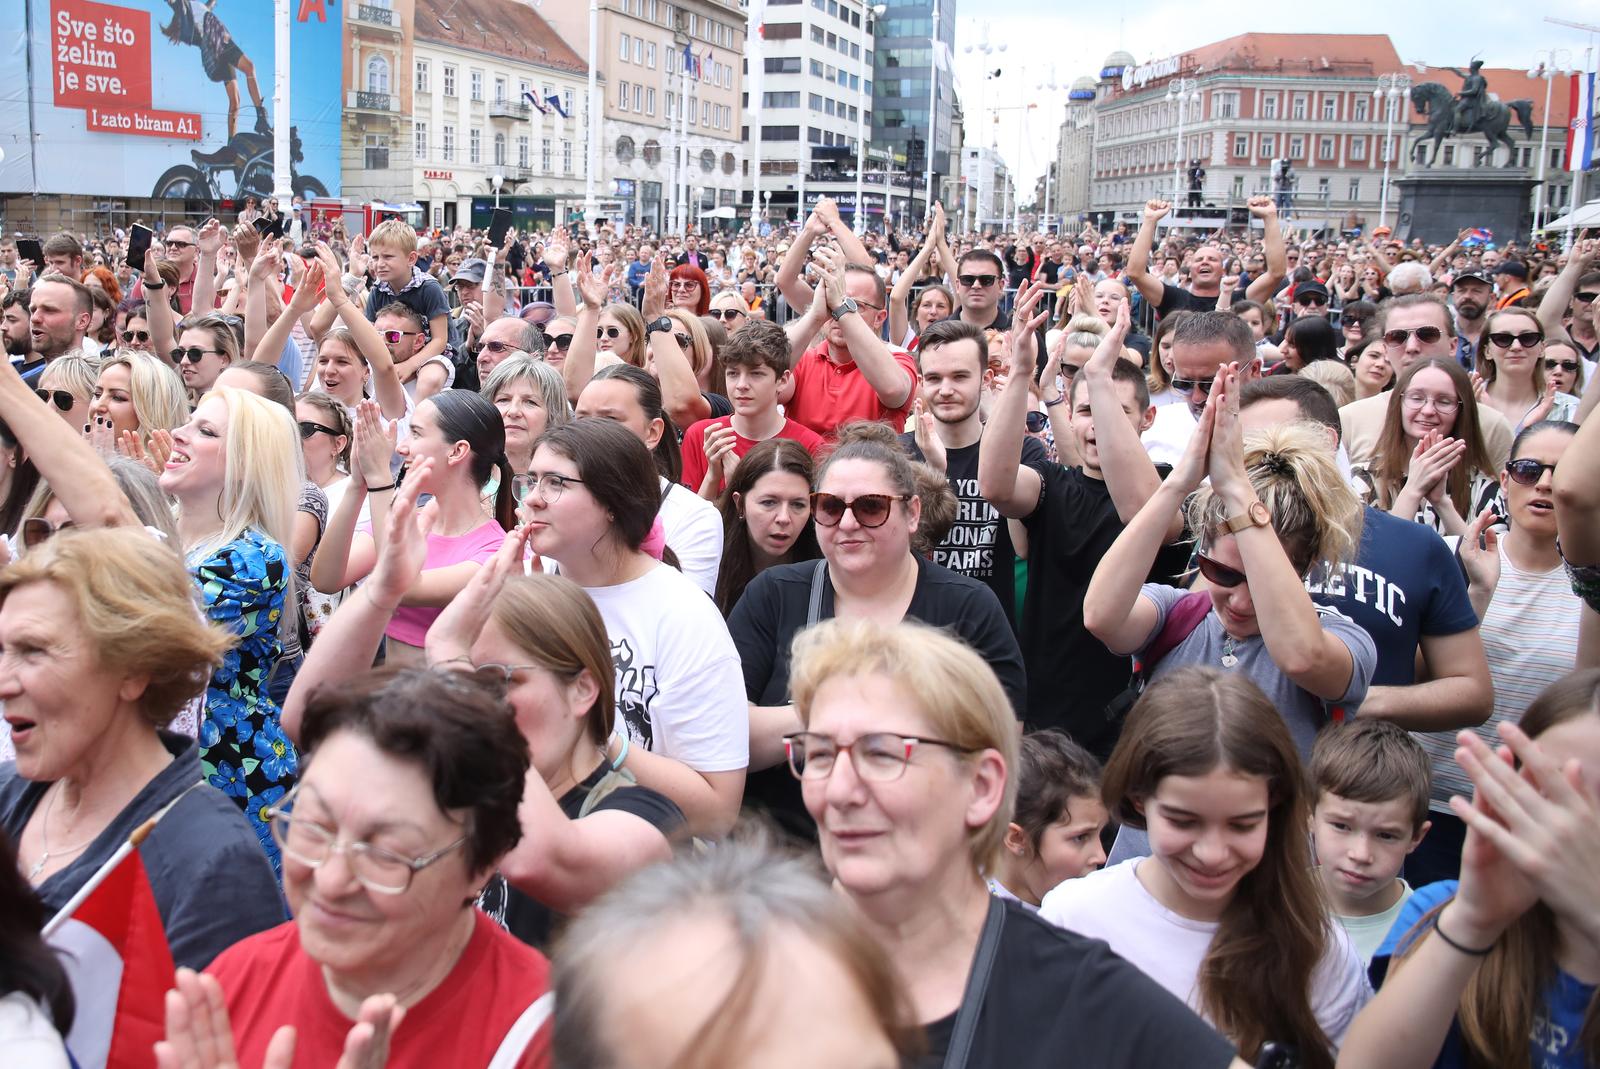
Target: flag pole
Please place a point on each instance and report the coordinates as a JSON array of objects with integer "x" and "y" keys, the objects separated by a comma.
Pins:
[{"x": 118, "y": 856}]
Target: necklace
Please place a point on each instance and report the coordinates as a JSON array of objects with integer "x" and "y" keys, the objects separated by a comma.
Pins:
[
  {"x": 44, "y": 841},
  {"x": 1228, "y": 658}
]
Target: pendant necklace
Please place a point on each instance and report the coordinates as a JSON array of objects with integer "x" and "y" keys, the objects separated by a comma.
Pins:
[
  {"x": 44, "y": 842},
  {"x": 1228, "y": 658}
]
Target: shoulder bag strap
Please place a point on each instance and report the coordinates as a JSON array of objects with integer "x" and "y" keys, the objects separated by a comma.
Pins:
[
  {"x": 966, "y": 1027},
  {"x": 523, "y": 1029},
  {"x": 818, "y": 576}
]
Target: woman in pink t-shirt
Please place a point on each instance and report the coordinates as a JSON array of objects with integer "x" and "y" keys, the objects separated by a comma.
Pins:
[{"x": 462, "y": 437}]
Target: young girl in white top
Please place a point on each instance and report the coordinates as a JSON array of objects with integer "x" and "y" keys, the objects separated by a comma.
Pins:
[{"x": 1226, "y": 912}]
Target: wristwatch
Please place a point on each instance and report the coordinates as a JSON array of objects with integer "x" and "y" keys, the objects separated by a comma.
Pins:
[
  {"x": 659, "y": 325},
  {"x": 155, "y": 284},
  {"x": 845, "y": 307},
  {"x": 1257, "y": 515}
]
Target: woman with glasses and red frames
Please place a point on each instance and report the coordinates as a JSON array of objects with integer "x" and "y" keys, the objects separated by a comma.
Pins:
[
  {"x": 1275, "y": 508},
  {"x": 688, "y": 288},
  {"x": 1431, "y": 463},
  {"x": 867, "y": 514},
  {"x": 905, "y": 752},
  {"x": 1510, "y": 373},
  {"x": 409, "y": 802}
]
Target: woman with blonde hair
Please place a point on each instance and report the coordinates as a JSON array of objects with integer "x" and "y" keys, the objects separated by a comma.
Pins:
[
  {"x": 532, "y": 398},
  {"x": 1510, "y": 375},
  {"x": 605, "y": 333},
  {"x": 692, "y": 381},
  {"x": 906, "y": 755},
  {"x": 67, "y": 384},
  {"x": 135, "y": 396},
  {"x": 236, "y": 473}
]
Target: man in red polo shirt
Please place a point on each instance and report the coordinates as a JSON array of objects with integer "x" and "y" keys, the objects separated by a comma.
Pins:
[{"x": 851, "y": 374}]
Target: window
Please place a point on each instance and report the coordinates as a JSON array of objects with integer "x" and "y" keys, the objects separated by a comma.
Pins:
[
  {"x": 1269, "y": 146},
  {"x": 638, "y": 98},
  {"x": 817, "y": 36},
  {"x": 777, "y": 31},
  {"x": 780, "y": 133},
  {"x": 376, "y": 152},
  {"x": 420, "y": 135},
  {"x": 1241, "y": 145},
  {"x": 623, "y": 50},
  {"x": 522, "y": 150},
  {"x": 499, "y": 89},
  {"x": 780, "y": 100},
  {"x": 566, "y": 157},
  {"x": 1361, "y": 110},
  {"x": 1297, "y": 147},
  {"x": 652, "y": 152},
  {"x": 1330, "y": 108},
  {"x": 813, "y": 135},
  {"x": 649, "y": 101},
  {"x": 1269, "y": 106},
  {"x": 650, "y": 55},
  {"x": 378, "y": 75},
  {"x": 544, "y": 154},
  {"x": 423, "y": 67},
  {"x": 783, "y": 64},
  {"x": 1358, "y": 149},
  {"x": 474, "y": 145},
  {"x": 816, "y": 68},
  {"x": 1325, "y": 148},
  {"x": 499, "y": 150},
  {"x": 1298, "y": 108},
  {"x": 638, "y": 51},
  {"x": 447, "y": 147},
  {"x": 1355, "y": 189},
  {"x": 475, "y": 80},
  {"x": 566, "y": 101},
  {"x": 449, "y": 80},
  {"x": 622, "y": 96},
  {"x": 815, "y": 101}
]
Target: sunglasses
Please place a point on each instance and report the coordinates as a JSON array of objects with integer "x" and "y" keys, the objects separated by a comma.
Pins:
[
  {"x": 1191, "y": 385},
  {"x": 498, "y": 347},
  {"x": 559, "y": 341},
  {"x": 870, "y": 510},
  {"x": 131, "y": 336},
  {"x": 977, "y": 280},
  {"x": 308, "y": 429},
  {"x": 1528, "y": 471},
  {"x": 179, "y": 244},
  {"x": 1312, "y": 300},
  {"x": 728, "y": 314},
  {"x": 1552, "y": 364},
  {"x": 607, "y": 332},
  {"x": 1218, "y": 574},
  {"x": 683, "y": 340},
  {"x": 60, "y": 398},
  {"x": 194, "y": 354},
  {"x": 1586, "y": 296},
  {"x": 393, "y": 336},
  {"x": 1528, "y": 338},
  {"x": 1037, "y": 422},
  {"x": 36, "y": 530},
  {"x": 1426, "y": 335}
]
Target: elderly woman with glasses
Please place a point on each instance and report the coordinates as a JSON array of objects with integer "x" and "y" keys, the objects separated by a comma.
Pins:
[
  {"x": 867, "y": 514},
  {"x": 906, "y": 754},
  {"x": 1510, "y": 377}
]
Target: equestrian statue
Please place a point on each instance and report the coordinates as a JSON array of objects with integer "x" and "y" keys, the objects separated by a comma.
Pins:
[{"x": 1471, "y": 111}]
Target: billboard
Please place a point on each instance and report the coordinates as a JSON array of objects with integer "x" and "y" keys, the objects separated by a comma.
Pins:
[{"x": 165, "y": 98}]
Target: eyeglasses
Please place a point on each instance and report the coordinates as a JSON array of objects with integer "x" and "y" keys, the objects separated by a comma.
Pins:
[
  {"x": 1586, "y": 296},
  {"x": 1528, "y": 471},
  {"x": 684, "y": 285},
  {"x": 1191, "y": 385},
  {"x": 140, "y": 336},
  {"x": 497, "y": 677},
  {"x": 1527, "y": 338},
  {"x": 558, "y": 341},
  {"x": 311, "y": 844},
  {"x": 36, "y": 530},
  {"x": 683, "y": 340},
  {"x": 498, "y": 347},
  {"x": 1394, "y": 339},
  {"x": 879, "y": 757},
  {"x": 870, "y": 510},
  {"x": 1418, "y": 400},
  {"x": 728, "y": 314},
  {"x": 308, "y": 429},
  {"x": 394, "y": 336},
  {"x": 1036, "y": 423},
  {"x": 1218, "y": 574},
  {"x": 178, "y": 244},
  {"x": 977, "y": 280},
  {"x": 550, "y": 485},
  {"x": 1312, "y": 300},
  {"x": 1552, "y": 364},
  {"x": 62, "y": 399},
  {"x": 607, "y": 332},
  {"x": 194, "y": 354}
]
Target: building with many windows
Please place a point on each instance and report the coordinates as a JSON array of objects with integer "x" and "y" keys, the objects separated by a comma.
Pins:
[
  {"x": 376, "y": 121},
  {"x": 915, "y": 40},
  {"x": 497, "y": 94},
  {"x": 673, "y": 80}
]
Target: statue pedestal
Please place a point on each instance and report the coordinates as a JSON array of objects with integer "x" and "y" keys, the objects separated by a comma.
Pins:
[{"x": 1437, "y": 205}]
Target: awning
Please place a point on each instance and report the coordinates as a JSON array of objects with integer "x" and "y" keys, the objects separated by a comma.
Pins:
[
  {"x": 1587, "y": 215},
  {"x": 383, "y": 207}
]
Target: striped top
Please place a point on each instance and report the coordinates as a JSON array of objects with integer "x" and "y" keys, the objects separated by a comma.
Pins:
[{"x": 1530, "y": 636}]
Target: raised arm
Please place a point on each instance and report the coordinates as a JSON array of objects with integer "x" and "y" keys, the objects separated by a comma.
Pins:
[
  {"x": 263, "y": 273},
  {"x": 1138, "y": 267},
  {"x": 65, "y": 459},
  {"x": 578, "y": 368},
  {"x": 1558, "y": 298},
  {"x": 854, "y": 250},
  {"x": 1442, "y": 261},
  {"x": 555, "y": 262},
  {"x": 899, "y": 298},
  {"x": 269, "y": 350},
  {"x": 790, "y": 284},
  {"x": 158, "y": 312},
  {"x": 1265, "y": 208},
  {"x": 1130, "y": 475},
  {"x": 877, "y": 365},
  {"x": 680, "y": 390},
  {"x": 1577, "y": 490},
  {"x": 386, "y": 386},
  {"x": 1011, "y": 486},
  {"x": 208, "y": 240}
]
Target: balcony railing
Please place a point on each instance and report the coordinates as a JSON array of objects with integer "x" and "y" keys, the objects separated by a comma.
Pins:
[
  {"x": 512, "y": 173},
  {"x": 362, "y": 100},
  {"x": 372, "y": 15},
  {"x": 509, "y": 109}
]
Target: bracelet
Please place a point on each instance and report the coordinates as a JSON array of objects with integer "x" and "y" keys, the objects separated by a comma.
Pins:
[
  {"x": 558, "y": 274},
  {"x": 380, "y": 489},
  {"x": 1471, "y": 952},
  {"x": 622, "y": 754},
  {"x": 1053, "y": 402}
]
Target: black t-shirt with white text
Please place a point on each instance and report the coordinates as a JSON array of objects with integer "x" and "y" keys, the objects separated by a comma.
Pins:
[{"x": 1178, "y": 299}]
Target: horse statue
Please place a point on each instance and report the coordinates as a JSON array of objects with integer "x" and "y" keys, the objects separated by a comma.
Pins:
[{"x": 1439, "y": 105}]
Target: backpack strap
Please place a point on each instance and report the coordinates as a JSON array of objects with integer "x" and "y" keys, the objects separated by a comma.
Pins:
[
  {"x": 1182, "y": 620},
  {"x": 522, "y": 1031},
  {"x": 966, "y": 1024},
  {"x": 819, "y": 576}
]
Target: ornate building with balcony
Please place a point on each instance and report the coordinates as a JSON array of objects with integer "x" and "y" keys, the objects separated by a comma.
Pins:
[
  {"x": 498, "y": 95},
  {"x": 377, "y": 99}
]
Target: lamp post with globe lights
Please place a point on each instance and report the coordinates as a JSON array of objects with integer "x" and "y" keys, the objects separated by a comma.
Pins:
[
  {"x": 1184, "y": 92},
  {"x": 1391, "y": 89},
  {"x": 874, "y": 13},
  {"x": 1549, "y": 64}
]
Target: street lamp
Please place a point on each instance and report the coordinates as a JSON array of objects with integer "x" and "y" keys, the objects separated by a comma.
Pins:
[
  {"x": 1185, "y": 92},
  {"x": 497, "y": 180},
  {"x": 874, "y": 13},
  {"x": 1049, "y": 167},
  {"x": 1391, "y": 89},
  {"x": 1548, "y": 64}
]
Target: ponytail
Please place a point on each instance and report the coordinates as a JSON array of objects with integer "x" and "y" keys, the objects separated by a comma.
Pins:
[{"x": 505, "y": 500}]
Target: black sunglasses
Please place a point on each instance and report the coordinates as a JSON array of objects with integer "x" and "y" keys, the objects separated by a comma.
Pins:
[
  {"x": 977, "y": 280},
  {"x": 1528, "y": 471},
  {"x": 684, "y": 341},
  {"x": 1586, "y": 296},
  {"x": 194, "y": 354},
  {"x": 1037, "y": 422},
  {"x": 1218, "y": 574},
  {"x": 309, "y": 428},
  {"x": 1425, "y": 335},
  {"x": 1191, "y": 385},
  {"x": 870, "y": 510},
  {"x": 140, "y": 336},
  {"x": 728, "y": 314},
  {"x": 1552, "y": 364},
  {"x": 1528, "y": 338},
  {"x": 1312, "y": 300},
  {"x": 60, "y": 398},
  {"x": 558, "y": 341}
]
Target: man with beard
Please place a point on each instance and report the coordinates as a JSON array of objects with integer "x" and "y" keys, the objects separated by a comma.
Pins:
[
  {"x": 15, "y": 321},
  {"x": 60, "y": 311},
  {"x": 1205, "y": 264},
  {"x": 947, "y": 429},
  {"x": 1470, "y": 295}
]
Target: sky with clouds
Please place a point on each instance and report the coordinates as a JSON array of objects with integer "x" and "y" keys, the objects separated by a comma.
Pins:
[{"x": 1048, "y": 41}]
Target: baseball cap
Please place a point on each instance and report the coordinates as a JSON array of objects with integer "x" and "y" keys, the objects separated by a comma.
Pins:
[
  {"x": 471, "y": 270},
  {"x": 1473, "y": 274},
  {"x": 1306, "y": 289},
  {"x": 1513, "y": 268}
]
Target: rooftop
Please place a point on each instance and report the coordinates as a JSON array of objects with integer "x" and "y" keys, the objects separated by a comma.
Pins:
[{"x": 505, "y": 28}]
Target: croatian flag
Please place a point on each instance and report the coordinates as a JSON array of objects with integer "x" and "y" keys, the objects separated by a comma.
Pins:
[
  {"x": 1580, "y": 134},
  {"x": 532, "y": 98}
]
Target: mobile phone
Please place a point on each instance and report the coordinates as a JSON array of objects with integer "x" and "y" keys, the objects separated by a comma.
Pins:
[
  {"x": 499, "y": 224},
  {"x": 270, "y": 228},
  {"x": 139, "y": 237},
  {"x": 31, "y": 251}
]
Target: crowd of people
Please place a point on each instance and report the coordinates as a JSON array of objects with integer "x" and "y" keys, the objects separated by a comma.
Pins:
[{"x": 808, "y": 647}]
